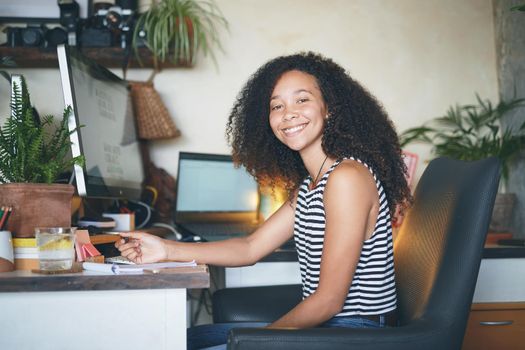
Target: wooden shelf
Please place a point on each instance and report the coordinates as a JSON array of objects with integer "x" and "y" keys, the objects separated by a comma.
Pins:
[{"x": 109, "y": 57}]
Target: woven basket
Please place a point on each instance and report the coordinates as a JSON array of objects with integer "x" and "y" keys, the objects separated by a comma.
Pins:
[{"x": 153, "y": 119}]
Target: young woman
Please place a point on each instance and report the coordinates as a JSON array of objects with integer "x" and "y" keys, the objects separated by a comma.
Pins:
[{"x": 303, "y": 123}]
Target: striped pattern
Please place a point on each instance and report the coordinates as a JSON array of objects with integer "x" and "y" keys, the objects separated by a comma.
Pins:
[{"x": 373, "y": 289}]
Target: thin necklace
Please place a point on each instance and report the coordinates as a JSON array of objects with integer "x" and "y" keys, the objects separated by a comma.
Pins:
[{"x": 318, "y": 173}]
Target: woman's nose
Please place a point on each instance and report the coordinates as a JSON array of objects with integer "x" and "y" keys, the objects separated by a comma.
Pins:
[{"x": 289, "y": 115}]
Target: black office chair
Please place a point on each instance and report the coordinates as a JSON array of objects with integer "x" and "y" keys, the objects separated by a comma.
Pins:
[{"x": 437, "y": 256}]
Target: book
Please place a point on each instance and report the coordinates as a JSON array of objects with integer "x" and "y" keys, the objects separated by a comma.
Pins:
[
  {"x": 24, "y": 242},
  {"x": 25, "y": 255},
  {"x": 515, "y": 242},
  {"x": 134, "y": 269},
  {"x": 26, "y": 264},
  {"x": 494, "y": 237},
  {"x": 25, "y": 250}
]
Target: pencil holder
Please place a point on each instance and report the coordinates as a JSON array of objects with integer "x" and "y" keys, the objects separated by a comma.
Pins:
[{"x": 36, "y": 205}]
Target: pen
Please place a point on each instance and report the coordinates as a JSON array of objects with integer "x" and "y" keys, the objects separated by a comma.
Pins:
[{"x": 2, "y": 212}]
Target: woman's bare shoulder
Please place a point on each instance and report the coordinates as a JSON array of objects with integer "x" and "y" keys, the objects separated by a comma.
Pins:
[{"x": 351, "y": 174}]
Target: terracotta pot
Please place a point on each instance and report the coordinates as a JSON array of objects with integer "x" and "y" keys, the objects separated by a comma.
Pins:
[
  {"x": 36, "y": 205},
  {"x": 502, "y": 214}
]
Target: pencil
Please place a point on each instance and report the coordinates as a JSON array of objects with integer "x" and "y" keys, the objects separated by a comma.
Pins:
[
  {"x": 5, "y": 217},
  {"x": 2, "y": 215},
  {"x": 9, "y": 212}
]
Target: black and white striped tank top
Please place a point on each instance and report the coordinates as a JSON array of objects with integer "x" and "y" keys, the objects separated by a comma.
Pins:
[{"x": 373, "y": 289}]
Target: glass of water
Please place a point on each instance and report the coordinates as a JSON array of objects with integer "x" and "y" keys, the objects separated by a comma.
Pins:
[{"x": 56, "y": 247}]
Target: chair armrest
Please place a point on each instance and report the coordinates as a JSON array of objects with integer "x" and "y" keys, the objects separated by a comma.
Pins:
[
  {"x": 254, "y": 304},
  {"x": 417, "y": 336}
]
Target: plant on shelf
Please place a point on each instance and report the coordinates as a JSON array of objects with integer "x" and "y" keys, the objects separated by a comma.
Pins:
[
  {"x": 32, "y": 156},
  {"x": 473, "y": 132},
  {"x": 177, "y": 30},
  {"x": 28, "y": 153}
]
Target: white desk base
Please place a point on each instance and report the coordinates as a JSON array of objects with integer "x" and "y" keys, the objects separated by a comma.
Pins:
[
  {"x": 87, "y": 320},
  {"x": 263, "y": 274},
  {"x": 501, "y": 281}
]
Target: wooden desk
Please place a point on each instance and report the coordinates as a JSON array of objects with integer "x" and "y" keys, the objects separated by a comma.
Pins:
[
  {"x": 92, "y": 310},
  {"x": 497, "y": 319}
]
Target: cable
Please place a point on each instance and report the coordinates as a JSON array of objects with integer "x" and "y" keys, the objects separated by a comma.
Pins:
[
  {"x": 71, "y": 178},
  {"x": 178, "y": 236},
  {"x": 154, "y": 192},
  {"x": 148, "y": 213}
]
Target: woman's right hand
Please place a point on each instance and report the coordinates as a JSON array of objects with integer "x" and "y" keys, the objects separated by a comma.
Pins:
[{"x": 142, "y": 247}]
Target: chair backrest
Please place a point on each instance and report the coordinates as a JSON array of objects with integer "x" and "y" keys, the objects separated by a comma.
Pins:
[{"x": 439, "y": 246}]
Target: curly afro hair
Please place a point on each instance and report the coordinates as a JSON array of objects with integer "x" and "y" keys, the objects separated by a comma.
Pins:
[{"x": 357, "y": 126}]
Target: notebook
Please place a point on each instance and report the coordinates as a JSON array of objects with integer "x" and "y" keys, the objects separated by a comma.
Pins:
[{"x": 214, "y": 199}]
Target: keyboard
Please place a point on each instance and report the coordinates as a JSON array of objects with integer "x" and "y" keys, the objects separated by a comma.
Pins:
[
  {"x": 221, "y": 229},
  {"x": 518, "y": 242}
]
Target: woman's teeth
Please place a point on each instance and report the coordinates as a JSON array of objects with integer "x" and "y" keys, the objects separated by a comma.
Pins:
[{"x": 294, "y": 129}]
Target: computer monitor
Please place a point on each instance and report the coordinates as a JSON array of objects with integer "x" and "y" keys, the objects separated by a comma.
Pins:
[{"x": 107, "y": 136}]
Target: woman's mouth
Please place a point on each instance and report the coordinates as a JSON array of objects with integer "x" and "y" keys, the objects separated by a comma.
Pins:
[{"x": 294, "y": 129}]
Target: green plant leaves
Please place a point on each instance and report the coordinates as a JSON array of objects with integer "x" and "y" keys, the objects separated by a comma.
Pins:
[
  {"x": 176, "y": 30},
  {"x": 28, "y": 153},
  {"x": 472, "y": 132}
]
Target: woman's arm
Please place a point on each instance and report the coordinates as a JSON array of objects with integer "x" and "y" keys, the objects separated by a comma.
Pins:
[
  {"x": 232, "y": 252},
  {"x": 351, "y": 205}
]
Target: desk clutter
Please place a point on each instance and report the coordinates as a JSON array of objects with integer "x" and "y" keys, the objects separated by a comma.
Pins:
[
  {"x": 89, "y": 258},
  {"x": 25, "y": 250}
]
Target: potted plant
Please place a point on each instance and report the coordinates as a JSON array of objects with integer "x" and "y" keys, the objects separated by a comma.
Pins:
[
  {"x": 174, "y": 31},
  {"x": 472, "y": 132},
  {"x": 177, "y": 30},
  {"x": 31, "y": 159}
]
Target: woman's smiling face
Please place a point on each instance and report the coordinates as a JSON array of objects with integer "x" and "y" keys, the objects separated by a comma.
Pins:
[{"x": 297, "y": 110}]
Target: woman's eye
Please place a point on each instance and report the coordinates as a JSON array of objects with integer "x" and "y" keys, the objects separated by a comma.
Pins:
[
  {"x": 276, "y": 107},
  {"x": 302, "y": 100}
]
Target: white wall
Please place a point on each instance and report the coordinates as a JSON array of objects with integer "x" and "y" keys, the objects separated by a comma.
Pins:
[{"x": 417, "y": 56}]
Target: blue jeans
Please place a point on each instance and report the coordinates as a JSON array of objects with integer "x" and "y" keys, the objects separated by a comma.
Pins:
[{"x": 215, "y": 336}]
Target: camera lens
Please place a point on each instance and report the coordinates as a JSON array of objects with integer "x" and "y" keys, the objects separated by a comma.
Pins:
[
  {"x": 113, "y": 20},
  {"x": 31, "y": 36},
  {"x": 56, "y": 36}
]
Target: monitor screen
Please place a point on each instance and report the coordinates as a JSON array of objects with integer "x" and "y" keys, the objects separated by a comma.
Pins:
[
  {"x": 211, "y": 183},
  {"x": 107, "y": 137}
]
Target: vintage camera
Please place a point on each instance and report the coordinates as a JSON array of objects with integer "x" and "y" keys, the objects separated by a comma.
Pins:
[
  {"x": 110, "y": 25},
  {"x": 35, "y": 36}
]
